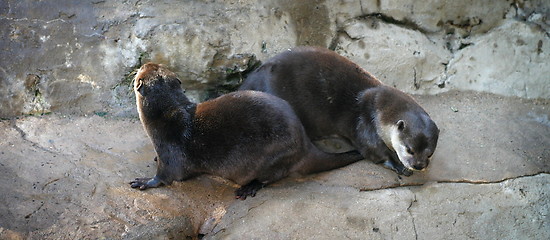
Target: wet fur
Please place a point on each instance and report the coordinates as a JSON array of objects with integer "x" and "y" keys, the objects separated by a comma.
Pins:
[
  {"x": 333, "y": 96},
  {"x": 249, "y": 137}
]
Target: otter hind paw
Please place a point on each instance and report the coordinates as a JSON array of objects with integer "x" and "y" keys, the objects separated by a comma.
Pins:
[
  {"x": 249, "y": 189},
  {"x": 144, "y": 183}
]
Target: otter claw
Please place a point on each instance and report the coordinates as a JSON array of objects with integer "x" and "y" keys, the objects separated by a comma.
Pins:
[
  {"x": 405, "y": 172},
  {"x": 398, "y": 168},
  {"x": 249, "y": 189},
  {"x": 144, "y": 183}
]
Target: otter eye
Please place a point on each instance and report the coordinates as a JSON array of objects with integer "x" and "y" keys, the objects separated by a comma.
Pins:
[{"x": 409, "y": 151}]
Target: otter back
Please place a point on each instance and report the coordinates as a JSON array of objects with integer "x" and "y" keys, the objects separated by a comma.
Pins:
[
  {"x": 249, "y": 137},
  {"x": 333, "y": 96}
]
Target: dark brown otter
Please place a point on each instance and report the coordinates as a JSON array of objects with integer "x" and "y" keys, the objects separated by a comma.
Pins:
[
  {"x": 334, "y": 96},
  {"x": 249, "y": 137}
]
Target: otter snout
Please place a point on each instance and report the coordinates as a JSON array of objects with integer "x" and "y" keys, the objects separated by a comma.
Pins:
[
  {"x": 420, "y": 166},
  {"x": 413, "y": 164},
  {"x": 414, "y": 150}
]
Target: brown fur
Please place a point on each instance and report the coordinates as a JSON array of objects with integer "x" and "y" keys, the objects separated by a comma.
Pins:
[
  {"x": 249, "y": 137},
  {"x": 334, "y": 96}
]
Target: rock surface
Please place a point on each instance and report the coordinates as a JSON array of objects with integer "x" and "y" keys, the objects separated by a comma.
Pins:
[
  {"x": 512, "y": 209},
  {"x": 66, "y": 177},
  {"x": 78, "y": 57}
]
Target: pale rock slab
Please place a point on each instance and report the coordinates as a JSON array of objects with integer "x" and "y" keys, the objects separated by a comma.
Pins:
[
  {"x": 512, "y": 60},
  {"x": 400, "y": 57}
]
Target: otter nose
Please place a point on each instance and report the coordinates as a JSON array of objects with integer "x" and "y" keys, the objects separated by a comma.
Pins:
[{"x": 419, "y": 166}]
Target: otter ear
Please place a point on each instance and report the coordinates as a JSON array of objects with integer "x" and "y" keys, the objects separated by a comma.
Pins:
[
  {"x": 139, "y": 86},
  {"x": 400, "y": 125}
]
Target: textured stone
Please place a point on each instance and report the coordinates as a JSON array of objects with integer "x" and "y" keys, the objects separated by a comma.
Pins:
[
  {"x": 67, "y": 177},
  {"x": 312, "y": 211},
  {"x": 433, "y": 16},
  {"x": 510, "y": 60},
  {"x": 82, "y": 55},
  {"x": 400, "y": 57},
  {"x": 470, "y": 16},
  {"x": 511, "y": 209},
  {"x": 84, "y": 52}
]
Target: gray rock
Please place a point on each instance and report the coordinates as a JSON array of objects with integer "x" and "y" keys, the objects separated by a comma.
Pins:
[
  {"x": 466, "y": 16},
  {"x": 79, "y": 57},
  {"x": 67, "y": 177},
  {"x": 512, "y": 209},
  {"x": 314, "y": 211},
  {"x": 398, "y": 56},
  {"x": 524, "y": 53}
]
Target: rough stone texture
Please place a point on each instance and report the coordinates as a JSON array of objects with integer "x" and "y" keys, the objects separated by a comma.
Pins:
[
  {"x": 524, "y": 71},
  {"x": 313, "y": 211},
  {"x": 78, "y": 57},
  {"x": 400, "y": 57},
  {"x": 471, "y": 15},
  {"x": 505, "y": 210},
  {"x": 432, "y": 16},
  {"x": 512, "y": 209},
  {"x": 66, "y": 177}
]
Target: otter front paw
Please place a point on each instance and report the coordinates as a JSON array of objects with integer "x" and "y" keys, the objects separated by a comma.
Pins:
[
  {"x": 249, "y": 189},
  {"x": 398, "y": 168},
  {"x": 144, "y": 183},
  {"x": 405, "y": 172}
]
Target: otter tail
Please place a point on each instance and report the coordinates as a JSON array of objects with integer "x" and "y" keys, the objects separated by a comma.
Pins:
[{"x": 319, "y": 161}]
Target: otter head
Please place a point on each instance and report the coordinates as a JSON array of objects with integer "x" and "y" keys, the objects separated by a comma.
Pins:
[
  {"x": 403, "y": 125},
  {"x": 413, "y": 138},
  {"x": 153, "y": 78},
  {"x": 158, "y": 91}
]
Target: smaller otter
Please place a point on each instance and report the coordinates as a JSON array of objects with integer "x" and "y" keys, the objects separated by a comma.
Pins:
[
  {"x": 334, "y": 96},
  {"x": 249, "y": 137}
]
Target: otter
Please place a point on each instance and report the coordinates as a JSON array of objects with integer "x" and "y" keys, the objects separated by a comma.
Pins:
[
  {"x": 334, "y": 96},
  {"x": 249, "y": 137}
]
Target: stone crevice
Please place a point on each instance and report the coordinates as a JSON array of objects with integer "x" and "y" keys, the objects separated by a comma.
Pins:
[
  {"x": 482, "y": 182},
  {"x": 531, "y": 17},
  {"x": 24, "y": 137},
  {"x": 405, "y": 23},
  {"x": 50, "y": 182},
  {"x": 253, "y": 207},
  {"x": 464, "y": 181},
  {"x": 361, "y": 6},
  {"x": 416, "y": 84},
  {"x": 412, "y": 216},
  {"x": 249, "y": 209},
  {"x": 32, "y": 20},
  {"x": 36, "y": 210},
  {"x": 340, "y": 28}
]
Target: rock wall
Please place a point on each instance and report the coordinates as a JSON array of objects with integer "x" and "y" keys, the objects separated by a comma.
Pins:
[{"x": 78, "y": 57}]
